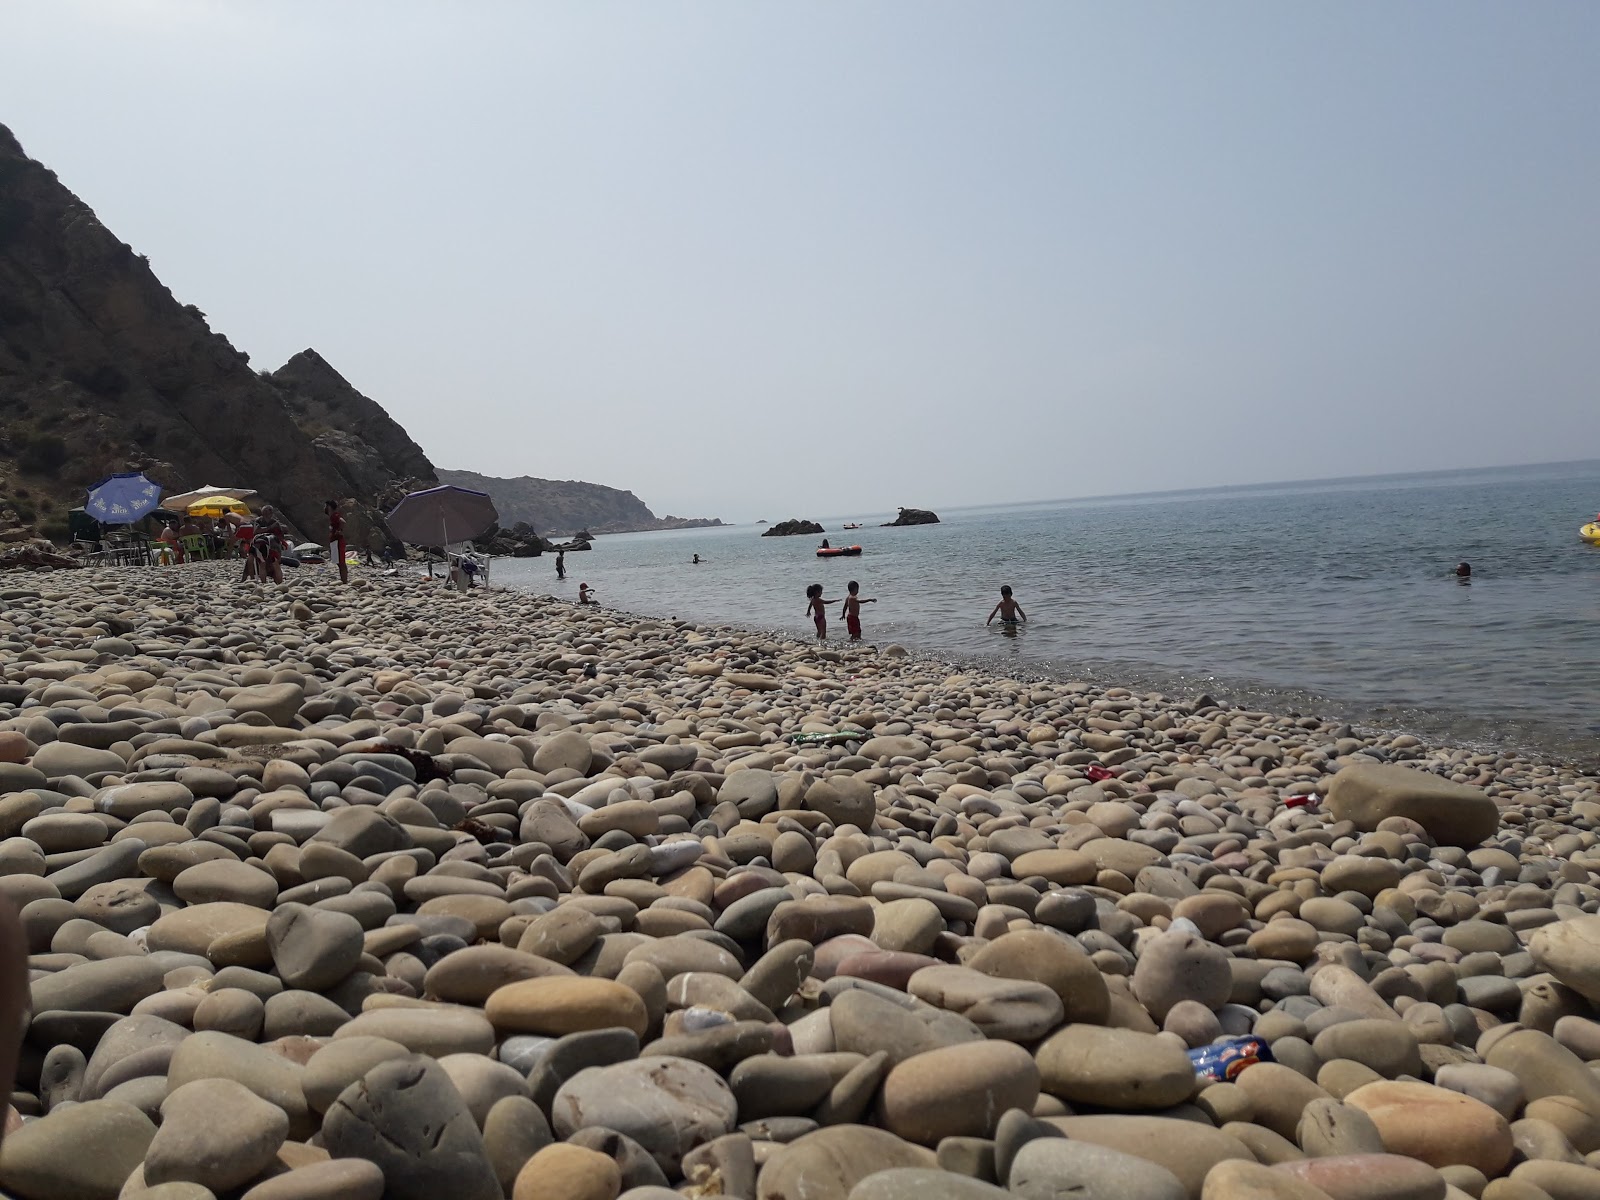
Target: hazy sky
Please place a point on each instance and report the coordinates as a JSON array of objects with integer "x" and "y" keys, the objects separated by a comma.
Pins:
[{"x": 772, "y": 260}]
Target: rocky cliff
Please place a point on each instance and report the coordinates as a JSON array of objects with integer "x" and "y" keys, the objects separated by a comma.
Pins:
[
  {"x": 562, "y": 507},
  {"x": 102, "y": 369},
  {"x": 372, "y": 448}
]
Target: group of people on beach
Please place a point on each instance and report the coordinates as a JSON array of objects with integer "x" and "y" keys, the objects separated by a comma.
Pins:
[{"x": 1008, "y": 610}]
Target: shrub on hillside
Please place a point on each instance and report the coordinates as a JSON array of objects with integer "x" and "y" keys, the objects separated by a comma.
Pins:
[{"x": 42, "y": 454}]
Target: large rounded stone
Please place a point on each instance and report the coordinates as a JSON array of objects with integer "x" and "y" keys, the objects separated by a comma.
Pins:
[
  {"x": 408, "y": 1118},
  {"x": 313, "y": 948},
  {"x": 1115, "y": 1068},
  {"x": 226, "y": 882},
  {"x": 1369, "y": 1177},
  {"x": 959, "y": 1091},
  {"x": 342, "y": 1062},
  {"x": 57, "y": 759},
  {"x": 1177, "y": 966},
  {"x": 1570, "y": 950},
  {"x": 915, "y": 1183},
  {"x": 271, "y": 1076},
  {"x": 1017, "y": 1010},
  {"x": 1050, "y": 1168},
  {"x": 216, "y": 1133},
  {"x": 192, "y": 930},
  {"x": 563, "y": 1172},
  {"x": 1438, "y": 1126},
  {"x": 864, "y": 1023},
  {"x": 556, "y": 1005},
  {"x": 334, "y": 1179},
  {"x": 1452, "y": 813},
  {"x": 1239, "y": 1180},
  {"x": 1055, "y": 961},
  {"x": 1388, "y": 1047},
  {"x": 1188, "y": 1149},
  {"x": 1544, "y": 1067},
  {"x": 828, "y": 1163},
  {"x": 106, "y": 985},
  {"x": 668, "y": 1105},
  {"x": 79, "y": 1152}
]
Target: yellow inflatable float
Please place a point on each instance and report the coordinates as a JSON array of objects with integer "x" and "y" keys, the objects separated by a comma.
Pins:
[{"x": 1591, "y": 533}]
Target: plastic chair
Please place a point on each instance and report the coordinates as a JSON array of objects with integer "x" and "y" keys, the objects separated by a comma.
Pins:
[{"x": 194, "y": 547}]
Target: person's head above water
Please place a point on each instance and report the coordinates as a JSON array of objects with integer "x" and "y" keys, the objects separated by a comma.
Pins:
[
  {"x": 1005, "y": 589},
  {"x": 814, "y": 590},
  {"x": 1463, "y": 569},
  {"x": 854, "y": 587}
]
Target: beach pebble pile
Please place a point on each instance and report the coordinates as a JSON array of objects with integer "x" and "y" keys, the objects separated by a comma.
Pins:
[{"x": 392, "y": 891}]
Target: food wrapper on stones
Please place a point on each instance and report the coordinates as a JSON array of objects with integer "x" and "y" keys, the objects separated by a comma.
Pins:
[{"x": 1221, "y": 1062}]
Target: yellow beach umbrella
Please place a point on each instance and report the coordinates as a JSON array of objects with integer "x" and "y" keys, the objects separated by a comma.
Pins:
[{"x": 217, "y": 506}]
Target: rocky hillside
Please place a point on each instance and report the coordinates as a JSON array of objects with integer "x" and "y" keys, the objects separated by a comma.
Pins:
[
  {"x": 102, "y": 369},
  {"x": 563, "y": 507},
  {"x": 372, "y": 448}
]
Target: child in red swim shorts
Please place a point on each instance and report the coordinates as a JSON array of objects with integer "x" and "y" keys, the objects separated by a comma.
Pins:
[{"x": 852, "y": 610}]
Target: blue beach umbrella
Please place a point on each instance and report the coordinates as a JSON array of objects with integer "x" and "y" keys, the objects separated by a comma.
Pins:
[{"x": 123, "y": 499}]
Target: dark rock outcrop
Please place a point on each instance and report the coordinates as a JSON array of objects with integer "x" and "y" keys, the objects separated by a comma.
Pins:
[
  {"x": 369, "y": 445},
  {"x": 791, "y": 528},
  {"x": 568, "y": 505},
  {"x": 519, "y": 541},
  {"x": 912, "y": 516}
]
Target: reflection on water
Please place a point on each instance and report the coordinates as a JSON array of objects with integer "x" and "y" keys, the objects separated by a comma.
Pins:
[{"x": 1330, "y": 598}]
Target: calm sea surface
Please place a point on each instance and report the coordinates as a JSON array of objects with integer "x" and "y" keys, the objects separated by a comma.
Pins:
[{"x": 1331, "y": 598}]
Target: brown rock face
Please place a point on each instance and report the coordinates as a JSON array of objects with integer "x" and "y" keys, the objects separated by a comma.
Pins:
[{"x": 108, "y": 371}]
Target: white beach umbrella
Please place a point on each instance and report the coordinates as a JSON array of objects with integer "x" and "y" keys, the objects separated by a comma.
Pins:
[{"x": 182, "y": 501}]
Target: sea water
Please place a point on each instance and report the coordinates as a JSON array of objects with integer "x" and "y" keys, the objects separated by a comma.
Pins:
[{"x": 1331, "y": 598}]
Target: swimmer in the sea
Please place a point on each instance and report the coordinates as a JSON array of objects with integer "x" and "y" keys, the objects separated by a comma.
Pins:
[{"x": 1008, "y": 610}]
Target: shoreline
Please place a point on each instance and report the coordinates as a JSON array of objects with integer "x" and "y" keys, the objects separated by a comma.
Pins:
[{"x": 1243, "y": 695}]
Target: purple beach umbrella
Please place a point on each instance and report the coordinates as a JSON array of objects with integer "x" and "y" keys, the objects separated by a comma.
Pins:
[{"x": 442, "y": 515}]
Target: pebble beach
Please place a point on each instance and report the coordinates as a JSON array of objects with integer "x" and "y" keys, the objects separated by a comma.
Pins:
[{"x": 390, "y": 892}]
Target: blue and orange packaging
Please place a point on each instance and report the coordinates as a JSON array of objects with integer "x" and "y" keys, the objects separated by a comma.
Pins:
[{"x": 1221, "y": 1062}]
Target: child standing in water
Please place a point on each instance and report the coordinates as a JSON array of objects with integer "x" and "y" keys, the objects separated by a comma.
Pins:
[
  {"x": 816, "y": 609},
  {"x": 1009, "y": 611},
  {"x": 852, "y": 610}
]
